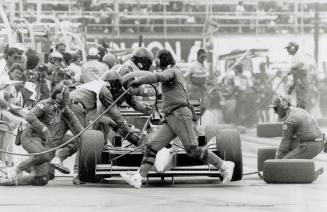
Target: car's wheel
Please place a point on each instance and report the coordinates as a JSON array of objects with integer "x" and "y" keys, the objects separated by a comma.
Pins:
[
  {"x": 229, "y": 148},
  {"x": 213, "y": 130},
  {"x": 92, "y": 142},
  {"x": 4, "y": 139}
]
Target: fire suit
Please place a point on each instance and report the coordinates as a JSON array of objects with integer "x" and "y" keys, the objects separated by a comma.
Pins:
[
  {"x": 198, "y": 77},
  {"x": 90, "y": 95},
  {"x": 180, "y": 119},
  {"x": 48, "y": 126},
  {"x": 299, "y": 72},
  {"x": 301, "y": 138}
]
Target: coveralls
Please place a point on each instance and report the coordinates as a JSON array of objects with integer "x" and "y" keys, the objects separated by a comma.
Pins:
[
  {"x": 198, "y": 76},
  {"x": 88, "y": 96},
  {"x": 179, "y": 121},
  {"x": 48, "y": 126},
  {"x": 302, "y": 137},
  {"x": 299, "y": 71}
]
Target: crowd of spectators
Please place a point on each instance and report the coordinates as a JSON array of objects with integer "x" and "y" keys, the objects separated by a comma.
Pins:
[
  {"x": 243, "y": 97},
  {"x": 239, "y": 17}
]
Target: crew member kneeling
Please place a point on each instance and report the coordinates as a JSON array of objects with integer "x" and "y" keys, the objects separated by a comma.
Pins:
[
  {"x": 301, "y": 137},
  {"x": 49, "y": 121}
]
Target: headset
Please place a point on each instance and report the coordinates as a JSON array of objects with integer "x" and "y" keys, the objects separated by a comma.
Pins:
[{"x": 59, "y": 96}]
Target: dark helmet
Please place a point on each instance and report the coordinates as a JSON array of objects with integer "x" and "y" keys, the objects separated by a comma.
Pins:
[
  {"x": 280, "y": 104},
  {"x": 142, "y": 58},
  {"x": 292, "y": 45}
]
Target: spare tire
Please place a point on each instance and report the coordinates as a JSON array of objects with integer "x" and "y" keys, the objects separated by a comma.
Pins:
[
  {"x": 229, "y": 148},
  {"x": 92, "y": 142},
  {"x": 4, "y": 140},
  {"x": 269, "y": 130},
  {"x": 263, "y": 155},
  {"x": 289, "y": 171}
]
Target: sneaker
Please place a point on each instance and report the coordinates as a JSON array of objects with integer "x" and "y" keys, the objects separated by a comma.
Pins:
[
  {"x": 227, "y": 170},
  {"x": 132, "y": 178},
  {"x": 77, "y": 181},
  {"x": 56, "y": 163}
]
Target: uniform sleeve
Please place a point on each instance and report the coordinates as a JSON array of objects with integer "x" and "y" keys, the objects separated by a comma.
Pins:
[
  {"x": 32, "y": 117},
  {"x": 143, "y": 91},
  {"x": 131, "y": 101},
  {"x": 106, "y": 99},
  {"x": 73, "y": 122},
  {"x": 288, "y": 131},
  {"x": 165, "y": 76}
]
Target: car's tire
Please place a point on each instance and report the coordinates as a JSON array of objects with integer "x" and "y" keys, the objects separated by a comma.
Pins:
[
  {"x": 229, "y": 148},
  {"x": 5, "y": 141},
  {"x": 92, "y": 142},
  {"x": 212, "y": 130},
  {"x": 289, "y": 171},
  {"x": 263, "y": 155},
  {"x": 269, "y": 130}
]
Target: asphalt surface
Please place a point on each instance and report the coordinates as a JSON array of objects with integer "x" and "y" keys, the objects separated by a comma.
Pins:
[{"x": 187, "y": 194}]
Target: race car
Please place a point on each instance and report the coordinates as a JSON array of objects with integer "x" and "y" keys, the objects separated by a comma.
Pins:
[{"x": 104, "y": 159}]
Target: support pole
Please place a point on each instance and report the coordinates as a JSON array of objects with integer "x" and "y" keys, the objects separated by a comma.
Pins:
[{"x": 316, "y": 34}]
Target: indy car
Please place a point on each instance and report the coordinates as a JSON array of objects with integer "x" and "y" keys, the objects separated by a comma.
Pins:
[{"x": 104, "y": 159}]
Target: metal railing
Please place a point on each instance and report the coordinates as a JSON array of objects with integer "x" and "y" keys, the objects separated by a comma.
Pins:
[{"x": 192, "y": 23}]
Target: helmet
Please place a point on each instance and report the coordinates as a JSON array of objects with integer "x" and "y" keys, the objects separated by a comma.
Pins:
[
  {"x": 55, "y": 54},
  {"x": 292, "y": 45},
  {"x": 280, "y": 101},
  {"x": 109, "y": 59},
  {"x": 93, "y": 53},
  {"x": 280, "y": 104},
  {"x": 55, "y": 58},
  {"x": 142, "y": 58}
]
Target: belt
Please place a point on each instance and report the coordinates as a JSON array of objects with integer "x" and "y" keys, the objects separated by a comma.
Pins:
[
  {"x": 176, "y": 108},
  {"x": 75, "y": 102},
  {"x": 318, "y": 139}
]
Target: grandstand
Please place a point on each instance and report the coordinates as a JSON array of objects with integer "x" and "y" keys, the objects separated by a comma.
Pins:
[{"x": 179, "y": 17}]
